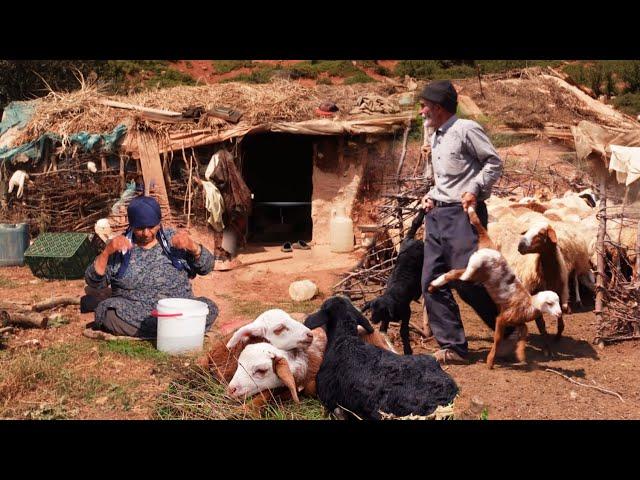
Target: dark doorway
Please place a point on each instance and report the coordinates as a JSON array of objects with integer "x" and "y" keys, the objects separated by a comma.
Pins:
[{"x": 278, "y": 168}]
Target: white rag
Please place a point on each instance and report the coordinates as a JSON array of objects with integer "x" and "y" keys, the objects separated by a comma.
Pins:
[
  {"x": 625, "y": 161},
  {"x": 17, "y": 179},
  {"x": 213, "y": 163},
  {"x": 214, "y": 205}
]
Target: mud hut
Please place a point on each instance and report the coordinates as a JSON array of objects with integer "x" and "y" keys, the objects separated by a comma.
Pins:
[{"x": 299, "y": 160}]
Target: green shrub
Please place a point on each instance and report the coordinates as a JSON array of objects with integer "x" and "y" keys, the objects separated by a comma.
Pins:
[
  {"x": 631, "y": 76},
  {"x": 261, "y": 75},
  {"x": 628, "y": 103},
  {"x": 359, "y": 77},
  {"x": 226, "y": 66},
  {"x": 423, "y": 69}
]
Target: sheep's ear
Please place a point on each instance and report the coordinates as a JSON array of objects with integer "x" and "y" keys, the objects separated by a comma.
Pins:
[
  {"x": 281, "y": 367},
  {"x": 244, "y": 334},
  {"x": 551, "y": 233},
  {"x": 316, "y": 320},
  {"x": 366, "y": 306}
]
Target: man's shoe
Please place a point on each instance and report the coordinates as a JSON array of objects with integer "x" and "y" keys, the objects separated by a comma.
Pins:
[{"x": 449, "y": 357}]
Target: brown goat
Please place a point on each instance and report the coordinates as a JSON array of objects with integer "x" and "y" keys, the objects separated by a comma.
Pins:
[{"x": 515, "y": 305}]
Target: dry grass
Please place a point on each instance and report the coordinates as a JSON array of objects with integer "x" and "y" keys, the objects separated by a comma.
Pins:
[
  {"x": 280, "y": 100},
  {"x": 55, "y": 383},
  {"x": 198, "y": 395}
]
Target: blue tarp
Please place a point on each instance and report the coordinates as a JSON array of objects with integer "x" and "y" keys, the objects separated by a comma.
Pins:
[
  {"x": 17, "y": 113},
  {"x": 108, "y": 142}
]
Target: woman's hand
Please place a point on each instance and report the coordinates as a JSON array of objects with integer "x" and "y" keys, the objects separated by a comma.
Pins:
[
  {"x": 182, "y": 241},
  {"x": 118, "y": 244}
]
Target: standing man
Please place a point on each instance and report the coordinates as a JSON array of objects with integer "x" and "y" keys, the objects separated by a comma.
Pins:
[{"x": 465, "y": 168}]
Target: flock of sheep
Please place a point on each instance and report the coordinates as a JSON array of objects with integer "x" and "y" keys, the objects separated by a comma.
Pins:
[{"x": 544, "y": 243}]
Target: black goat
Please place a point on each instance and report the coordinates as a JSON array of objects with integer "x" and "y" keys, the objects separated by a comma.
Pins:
[
  {"x": 403, "y": 286},
  {"x": 367, "y": 380}
]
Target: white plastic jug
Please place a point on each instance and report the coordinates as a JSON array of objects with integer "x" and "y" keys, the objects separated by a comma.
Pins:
[
  {"x": 340, "y": 231},
  {"x": 181, "y": 324}
]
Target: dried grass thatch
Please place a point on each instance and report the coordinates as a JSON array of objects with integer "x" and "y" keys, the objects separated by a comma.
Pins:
[{"x": 278, "y": 101}]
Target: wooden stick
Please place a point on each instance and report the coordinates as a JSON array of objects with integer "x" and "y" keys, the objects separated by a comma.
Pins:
[
  {"x": 264, "y": 261},
  {"x": 5, "y": 329},
  {"x": 23, "y": 320},
  {"x": 604, "y": 390},
  {"x": 189, "y": 188},
  {"x": 602, "y": 229},
  {"x": 55, "y": 302},
  {"x": 479, "y": 80},
  {"x": 405, "y": 137},
  {"x": 418, "y": 330},
  {"x": 129, "y": 106}
]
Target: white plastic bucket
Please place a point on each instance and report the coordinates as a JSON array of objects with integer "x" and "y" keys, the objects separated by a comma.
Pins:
[{"x": 181, "y": 324}]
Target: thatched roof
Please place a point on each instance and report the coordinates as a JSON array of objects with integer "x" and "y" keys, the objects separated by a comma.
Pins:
[{"x": 277, "y": 102}]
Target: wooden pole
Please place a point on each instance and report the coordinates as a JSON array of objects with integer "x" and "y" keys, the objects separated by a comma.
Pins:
[
  {"x": 602, "y": 229},
  {"x": 637, "y": 266},
  {"x": 190, "y": 176},
  {"x": 479, "y": 80},
  {"x": 405, "y": 137}
]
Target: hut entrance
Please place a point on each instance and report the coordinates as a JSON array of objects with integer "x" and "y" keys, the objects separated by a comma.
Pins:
[{"x": 278, "y": 169}]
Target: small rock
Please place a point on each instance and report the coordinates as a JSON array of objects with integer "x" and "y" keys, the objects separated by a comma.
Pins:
[
  {"x": 302, "y": 290},
  {"x": 34, "y": 282},
  {"x": 573, "y": 395},
  {"x": 101, "y": 400}
]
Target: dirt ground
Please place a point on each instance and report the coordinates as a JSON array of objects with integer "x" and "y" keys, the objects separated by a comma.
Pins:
[{"x": 127, "y": 387}]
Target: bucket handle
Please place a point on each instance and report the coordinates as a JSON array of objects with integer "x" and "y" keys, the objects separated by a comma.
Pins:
[{"x": 154, "y": 313}]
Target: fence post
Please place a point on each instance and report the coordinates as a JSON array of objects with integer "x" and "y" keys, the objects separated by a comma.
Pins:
[{"x": 602, "y": 229}]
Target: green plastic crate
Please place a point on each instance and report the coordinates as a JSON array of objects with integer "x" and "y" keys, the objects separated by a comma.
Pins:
[{"x": 61, "y": 255}]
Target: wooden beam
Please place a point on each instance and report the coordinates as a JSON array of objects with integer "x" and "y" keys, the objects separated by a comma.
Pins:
[
  {"x": 152, "y": 172},
  {"x": 129, "y": 106}
]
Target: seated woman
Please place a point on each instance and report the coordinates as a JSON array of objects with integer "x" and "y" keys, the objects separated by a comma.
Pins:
[{"x": 143, "y": 266}]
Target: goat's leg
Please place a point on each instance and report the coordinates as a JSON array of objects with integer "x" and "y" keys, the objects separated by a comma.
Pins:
[
  {"x": 546, "y": 349},
  {"x": 577, "y": 287},
  {"x": 426, "y": 328},
  {"x": 560, "y": 328},
  {"x": 497, "y": 338},
  {"x": 445, "y": 278},
  {"x": 404, "y": 334},
  {"x": 522, "y": 343}
]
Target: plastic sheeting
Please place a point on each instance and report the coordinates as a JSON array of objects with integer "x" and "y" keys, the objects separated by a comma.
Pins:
[
  {"x": 17, "y": 114},
  {"x": 34, "y": 150}
]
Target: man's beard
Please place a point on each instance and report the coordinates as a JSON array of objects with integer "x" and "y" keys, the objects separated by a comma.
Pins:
[{"x": 427, "y": 121}]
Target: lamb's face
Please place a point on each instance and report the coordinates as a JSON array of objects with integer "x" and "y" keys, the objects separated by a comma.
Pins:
[
  {"x": 536, "y": 237},
  {"x": 548, "y": 302},
  {"x": 276, "y": 327},
  {"x": 284, "y": 332},
  {"x": 255, "y": 371}
]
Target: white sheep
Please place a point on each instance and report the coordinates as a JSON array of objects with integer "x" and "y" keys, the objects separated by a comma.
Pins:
[
  {"x": 281, "y": 330},
  {"x": 263, "y": 366},
  {"x": 276, "y": 327}
]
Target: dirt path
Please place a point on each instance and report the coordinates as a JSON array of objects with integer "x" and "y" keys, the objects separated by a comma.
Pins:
[{"x": 126, "y": 384}]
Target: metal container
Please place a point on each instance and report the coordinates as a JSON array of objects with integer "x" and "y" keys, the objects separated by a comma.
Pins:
[{"x": 14, "y": 241}]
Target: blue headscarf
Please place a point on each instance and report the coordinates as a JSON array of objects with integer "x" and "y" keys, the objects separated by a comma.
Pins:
[{"x": 145, "y": 212}]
